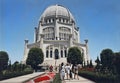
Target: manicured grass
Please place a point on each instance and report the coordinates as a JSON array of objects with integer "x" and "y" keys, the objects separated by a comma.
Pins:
[{"x": 57, "y": 78}]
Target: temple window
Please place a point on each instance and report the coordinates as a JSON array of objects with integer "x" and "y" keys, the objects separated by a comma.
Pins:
[
  {"x": 61, "y": 53},
  {"x": 47, "y": 53},
  {"x": 65, "y": 53},
  {"x": 51, "y": 54}
]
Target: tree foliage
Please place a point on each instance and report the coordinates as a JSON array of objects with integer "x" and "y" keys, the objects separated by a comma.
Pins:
[
  {"x": 109, "y": 63},
  {"x": 3, "y": 60},
  {"x": 74, "y": 56},
  {"x": 117, "y": 62},
  {"x": 97, "y": 61},
  {"x": 107, "y": 58},
  {"x": 14, "y": 70},
  {"x": 35, "y": 57},
  {"x": 91, "y": 64}
]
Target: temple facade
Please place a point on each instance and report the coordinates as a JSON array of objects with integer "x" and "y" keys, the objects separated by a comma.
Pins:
[{"x": 55, "y": 34}]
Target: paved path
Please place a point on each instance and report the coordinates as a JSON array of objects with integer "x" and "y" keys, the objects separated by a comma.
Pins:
[
  {"x": 81, "y": 80},
  {"x": 22, "y": 79}
]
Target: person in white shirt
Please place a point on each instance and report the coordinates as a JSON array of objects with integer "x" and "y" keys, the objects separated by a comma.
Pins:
[
  {"x": 67, "y": 68},
  {"x": 62, "y": 71}
]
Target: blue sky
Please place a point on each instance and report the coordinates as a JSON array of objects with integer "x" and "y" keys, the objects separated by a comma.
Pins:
[{"x": 99, "y": 22}]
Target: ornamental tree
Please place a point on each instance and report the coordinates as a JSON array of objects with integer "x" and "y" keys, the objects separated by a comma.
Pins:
[
  {"x": 117, "y": 62},
  {"x": 91, "y": 64},
  {"x": 107, "y": 58},
  {"x": 35, "y": 57},
  {"x": 74, "y": 56},
  {"x": 97, "y": 61},
  {"x": 3, "y": 60}
]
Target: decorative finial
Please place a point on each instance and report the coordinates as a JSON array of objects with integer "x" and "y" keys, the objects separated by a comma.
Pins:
[
  {"x": 86, "y": 41},
  {"x": 26, "y": 40},
  {"x": 35, "y": 27}
]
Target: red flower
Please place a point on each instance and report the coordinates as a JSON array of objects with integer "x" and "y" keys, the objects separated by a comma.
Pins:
[{"x": 46, "y": 78}]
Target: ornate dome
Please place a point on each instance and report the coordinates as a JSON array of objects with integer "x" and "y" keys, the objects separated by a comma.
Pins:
[{"x": 58, "y": 11}]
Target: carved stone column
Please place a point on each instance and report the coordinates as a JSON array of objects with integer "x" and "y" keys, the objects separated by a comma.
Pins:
[
  {"x": 25, "y": 52},
  {"x": 41, "y": 40},
  {"x": 70, "y": 39},
  {"x": 87, "y": 53}
]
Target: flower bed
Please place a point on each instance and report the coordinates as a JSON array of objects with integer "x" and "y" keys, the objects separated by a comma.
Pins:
[
  {"x": 87, "y": 69},
  {"x": 46, "y": 78}
]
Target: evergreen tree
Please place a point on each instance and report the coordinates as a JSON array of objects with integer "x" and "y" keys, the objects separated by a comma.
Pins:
[
  {"x": 97, "y": 67},
  {"x": 107, "y": 58},
  {"x": 91, "y": 65},
  {"x": 117, "y": 62},
  {"x": 3, "y": 60}
]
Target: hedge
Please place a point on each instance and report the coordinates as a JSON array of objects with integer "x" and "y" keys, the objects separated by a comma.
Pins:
[
  {"x": 100, "y": 78},
  {"x": 14, "y": 74}
]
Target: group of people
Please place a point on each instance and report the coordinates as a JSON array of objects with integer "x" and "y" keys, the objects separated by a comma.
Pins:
[{"x": 68, "y": 70}]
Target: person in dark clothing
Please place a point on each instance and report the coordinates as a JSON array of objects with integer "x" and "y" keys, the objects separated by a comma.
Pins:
[
  {"x": 76, "y": 71},
  {"x": 70, "y": 74},
  {"x": 51, "y": 68}
]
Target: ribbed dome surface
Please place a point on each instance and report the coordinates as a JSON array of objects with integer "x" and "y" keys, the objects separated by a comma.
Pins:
[{"x": 57, "y": 10}]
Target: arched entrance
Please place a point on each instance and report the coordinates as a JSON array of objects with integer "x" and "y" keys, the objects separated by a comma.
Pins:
[{"x": 56, "y": 54}]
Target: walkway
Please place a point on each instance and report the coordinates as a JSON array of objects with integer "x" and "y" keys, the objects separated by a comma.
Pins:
[
  {"x": 22, "y": 79},
  {"x": 81, "y": 80}
]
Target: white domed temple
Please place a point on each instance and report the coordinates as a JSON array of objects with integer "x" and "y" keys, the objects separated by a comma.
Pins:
[{"x": 55, "y": 34}]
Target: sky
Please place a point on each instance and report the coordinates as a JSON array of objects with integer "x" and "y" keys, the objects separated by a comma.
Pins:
[{"x": 98, "y": 20}]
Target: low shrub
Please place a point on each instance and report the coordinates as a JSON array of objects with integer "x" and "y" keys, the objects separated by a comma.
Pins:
[
  {"x": 99, "y": 77},
  {"x": 7, "y": 74}
]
